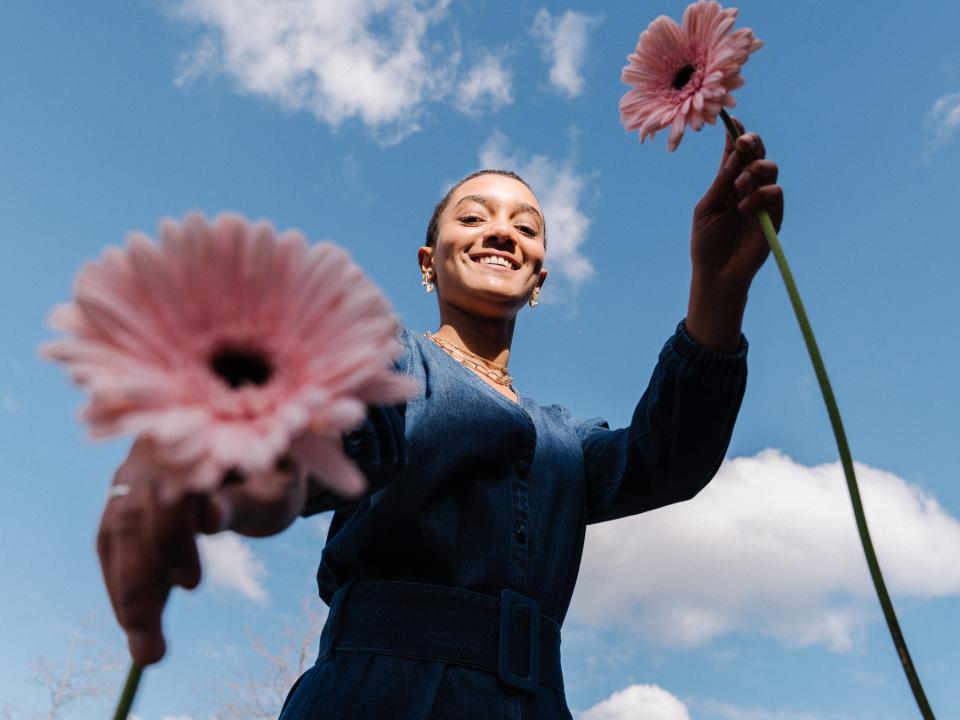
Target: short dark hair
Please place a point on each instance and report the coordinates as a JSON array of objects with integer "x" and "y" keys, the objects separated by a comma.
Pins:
[{"x": 433, "y": 227}]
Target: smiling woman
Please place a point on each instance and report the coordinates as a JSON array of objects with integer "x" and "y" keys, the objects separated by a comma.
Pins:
[
  {"x": 485, "y": 252},
  {"x": 449, "y": 580},
  {"x": 449, "y": 577}
]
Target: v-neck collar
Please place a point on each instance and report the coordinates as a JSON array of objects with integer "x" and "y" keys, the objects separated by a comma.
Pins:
[{"x": 476, "y": 380}]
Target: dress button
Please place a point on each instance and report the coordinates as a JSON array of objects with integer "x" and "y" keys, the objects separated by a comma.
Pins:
[
  {"x": 523, "y": 467},
  {"x": 521, "y": 533}
]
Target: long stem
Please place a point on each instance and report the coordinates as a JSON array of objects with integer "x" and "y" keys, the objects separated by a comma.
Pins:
[
  {"x": 125, "y": 703},
  {"x": 129, "y": 692},
  {"x": 845, "y": 459}
]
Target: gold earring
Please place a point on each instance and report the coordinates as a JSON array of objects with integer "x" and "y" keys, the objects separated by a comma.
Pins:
[
  {"x": 427, "y": 281},
  {"x": 533, "y": 297}
]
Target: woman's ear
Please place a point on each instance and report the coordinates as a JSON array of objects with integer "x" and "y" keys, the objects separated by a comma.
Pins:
[
  {"x": 543, "y": 278},
  {"x": 425, "y": 258}
]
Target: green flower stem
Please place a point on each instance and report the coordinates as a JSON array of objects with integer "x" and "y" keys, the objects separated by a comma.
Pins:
[
  {"x": 845, "y": 459},
  {"x": 125, "y": 704},
  {"x": 129, "y": 692}
]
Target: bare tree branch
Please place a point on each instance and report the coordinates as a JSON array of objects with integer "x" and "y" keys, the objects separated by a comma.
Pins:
[
  {"x": 87, "y": 674},
  {"x": 259, "y": 695}
]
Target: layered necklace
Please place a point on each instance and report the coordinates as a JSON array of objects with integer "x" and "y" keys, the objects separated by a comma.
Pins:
[{"x": 490, "y": 370}]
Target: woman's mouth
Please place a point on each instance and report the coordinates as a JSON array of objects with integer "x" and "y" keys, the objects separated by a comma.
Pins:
[{"x": 496, "y": 261}]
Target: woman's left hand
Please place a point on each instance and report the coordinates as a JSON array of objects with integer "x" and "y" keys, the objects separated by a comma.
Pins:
[{"x": 727, "y": 243}]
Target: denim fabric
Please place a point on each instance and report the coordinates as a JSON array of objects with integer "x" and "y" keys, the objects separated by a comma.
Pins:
[{"x": 473, "y": 491}]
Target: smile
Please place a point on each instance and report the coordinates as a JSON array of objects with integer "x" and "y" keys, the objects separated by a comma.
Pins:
[{"x": 496, "y": 261}]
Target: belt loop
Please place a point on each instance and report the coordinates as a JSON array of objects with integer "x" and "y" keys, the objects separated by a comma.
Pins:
[
  {"x": 531, "y": 681},
  {"x": 327, "y": 636}
]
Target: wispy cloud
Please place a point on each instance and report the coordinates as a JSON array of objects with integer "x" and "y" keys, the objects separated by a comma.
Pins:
[
  {"x": 768, "y": 547},
  {"x": 485, "y": 88},
  {"x": 9, "y": 403},
  {"x": 372, "y": 60},
  {"x": 563, "y": 41},
  {"x": 942, "y": 122},
  {"x": 639, "y": 701},
  {"x": 560, "y": 189},
  {"x": 230, "y": 564}
]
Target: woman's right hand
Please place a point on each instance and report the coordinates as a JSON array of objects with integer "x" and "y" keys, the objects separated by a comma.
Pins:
[{"x": 147, "y": 544}]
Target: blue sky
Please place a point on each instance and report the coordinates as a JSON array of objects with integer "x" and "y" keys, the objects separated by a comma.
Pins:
[{"x": 750, "y": 602}]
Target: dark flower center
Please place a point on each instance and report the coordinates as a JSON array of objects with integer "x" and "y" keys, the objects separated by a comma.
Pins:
[
  {"x": 237, "y": 367},
  {"x": 232, "y": 477},
  {"x": 683, "y": 76}
]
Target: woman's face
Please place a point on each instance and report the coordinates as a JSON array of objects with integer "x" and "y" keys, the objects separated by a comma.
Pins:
[{"x": 489, "y": 252}]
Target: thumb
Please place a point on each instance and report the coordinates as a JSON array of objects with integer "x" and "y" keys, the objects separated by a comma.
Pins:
[
  {"x": 258, "y": 504},
  {"x": 731, "y": 163}
]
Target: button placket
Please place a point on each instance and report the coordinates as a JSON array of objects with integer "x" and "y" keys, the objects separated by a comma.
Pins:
[
  {"x": 520, "y": 501},
  {"x": 521, "y": 533}
]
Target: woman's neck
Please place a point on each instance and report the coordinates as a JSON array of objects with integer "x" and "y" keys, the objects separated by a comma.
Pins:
[{"x": 490, "y": 338}]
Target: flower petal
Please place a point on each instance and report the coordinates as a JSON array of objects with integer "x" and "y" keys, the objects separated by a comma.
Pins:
[
  {"x": 704, "y": 40},
  {"x": 226, "y": 342},
  {"x": 323, "y": 457}
]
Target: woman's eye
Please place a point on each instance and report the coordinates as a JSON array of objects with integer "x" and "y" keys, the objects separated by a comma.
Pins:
[
  {"x": 472, "y": 219},
  {"x": 527, "y": 230}
]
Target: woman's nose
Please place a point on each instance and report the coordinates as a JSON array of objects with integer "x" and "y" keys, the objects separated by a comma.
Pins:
[{"x": 501, "y": 229}]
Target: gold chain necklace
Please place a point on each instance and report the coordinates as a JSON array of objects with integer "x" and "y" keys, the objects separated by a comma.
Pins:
[{"x": 496, "y": 373}]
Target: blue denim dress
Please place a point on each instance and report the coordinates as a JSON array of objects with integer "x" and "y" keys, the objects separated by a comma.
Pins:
[{"x": 449, "y": 580}]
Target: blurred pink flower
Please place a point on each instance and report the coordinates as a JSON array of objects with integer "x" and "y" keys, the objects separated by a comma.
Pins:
[
  {"x": 684, "y": 75},
  {"x": 230, "y": 347}
]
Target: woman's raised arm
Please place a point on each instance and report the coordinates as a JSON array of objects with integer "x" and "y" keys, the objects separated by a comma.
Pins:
[{"x": 727, "y": 246}]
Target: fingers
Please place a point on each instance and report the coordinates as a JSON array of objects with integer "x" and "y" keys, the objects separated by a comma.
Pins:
[
  {"x": 145, "y": 546},
  {"x": 264, "y": 503},
  {"x": 769, "y": 198},
  {"x": 216, "y": 514},
  {"x": 736, "y": 156},
  {"x": 755, "y": 175},
  {"x": 136, "y": 587},
  {"x": 746, "y": 180},
  {"x": 750, "y": 146},
  {"x": 170, "y": 530},
  {"x": 147, "y": 543},
  {"x": 168, "y": 526},
  {"x": 718, "y": 194},
  {"x": 728, "y": 146}
]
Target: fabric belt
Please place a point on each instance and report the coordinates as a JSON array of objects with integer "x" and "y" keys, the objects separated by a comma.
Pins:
[{"x": 507, "y": 636}]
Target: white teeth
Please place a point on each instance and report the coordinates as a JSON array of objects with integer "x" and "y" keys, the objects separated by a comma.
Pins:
[{"x": 495, "y": 260}]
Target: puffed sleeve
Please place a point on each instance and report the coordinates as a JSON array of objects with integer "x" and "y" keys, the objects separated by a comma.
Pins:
[
  {"x": 678, "y": 435},
  {"x": 378, "y": 447}
]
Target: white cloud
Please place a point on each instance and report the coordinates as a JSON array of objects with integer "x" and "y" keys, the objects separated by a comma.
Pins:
[
  {"x": 638, "y": 701},
  {"x": 373, "y": 60},
  {"x": 485, "y": 88},
  {"x": 559, "y": 188},
  {"x": 563, "y": 41},
  {"x": 942, "y": 121},
  {"x": 770, "y": 546},
  {"x": 651, "y": 702},
  {"x": 230, "y": 564},
  {"x": 9, "y": 403}
]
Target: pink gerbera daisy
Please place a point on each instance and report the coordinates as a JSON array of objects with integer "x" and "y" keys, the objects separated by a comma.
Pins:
[
  {"x": 230, "y": 347},
  {"x": 685, "y": 75}
]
